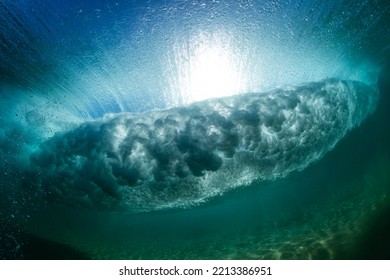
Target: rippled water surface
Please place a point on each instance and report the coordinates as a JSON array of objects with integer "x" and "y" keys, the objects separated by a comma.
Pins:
[{"x": 194, "y": 129}]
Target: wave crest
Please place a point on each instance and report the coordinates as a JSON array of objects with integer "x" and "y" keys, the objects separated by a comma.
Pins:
[{"x": 183, "y": 156}]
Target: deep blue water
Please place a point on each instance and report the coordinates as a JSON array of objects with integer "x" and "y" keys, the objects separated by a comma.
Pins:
[{"x": 194, "y": 129}]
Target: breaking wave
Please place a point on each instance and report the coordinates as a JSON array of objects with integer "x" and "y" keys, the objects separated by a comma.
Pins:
[{"x": 184, "y": 156}]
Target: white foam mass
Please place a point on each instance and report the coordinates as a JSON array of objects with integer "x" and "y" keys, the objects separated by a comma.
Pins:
[{"x": 184, "y": 156}]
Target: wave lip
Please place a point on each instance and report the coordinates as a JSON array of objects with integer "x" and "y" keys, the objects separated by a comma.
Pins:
[{"x": 184, "y": 156}]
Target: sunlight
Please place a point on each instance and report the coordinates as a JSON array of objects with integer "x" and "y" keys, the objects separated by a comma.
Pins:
[
  {"x": 212, "y": 73},
  {"x": 205, "y": 67}
]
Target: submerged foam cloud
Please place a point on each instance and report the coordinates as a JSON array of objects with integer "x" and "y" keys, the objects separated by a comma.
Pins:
[{"x": 183, "y": 156}]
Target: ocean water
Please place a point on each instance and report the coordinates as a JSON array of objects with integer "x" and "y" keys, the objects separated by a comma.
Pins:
[{"x": 194, "y": 129}]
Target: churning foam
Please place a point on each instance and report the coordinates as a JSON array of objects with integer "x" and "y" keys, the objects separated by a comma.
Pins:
[{"x": 186, "y": 155}]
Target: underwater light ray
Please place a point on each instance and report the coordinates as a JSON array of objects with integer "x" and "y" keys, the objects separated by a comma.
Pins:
[
  {"x": 206, "y": 66},
  {"x": 67, "y": 64}
]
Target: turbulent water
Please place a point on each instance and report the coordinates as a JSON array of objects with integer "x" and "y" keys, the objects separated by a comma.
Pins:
[
  {"x": 194, "y": 129},
  {"x": 181, "y": 156}
]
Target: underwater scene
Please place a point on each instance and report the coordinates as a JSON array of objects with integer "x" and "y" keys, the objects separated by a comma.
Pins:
[{"x": 194, "y": 129}]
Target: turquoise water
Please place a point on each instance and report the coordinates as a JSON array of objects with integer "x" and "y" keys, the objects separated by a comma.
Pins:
[{"x": 194, "y": 130}]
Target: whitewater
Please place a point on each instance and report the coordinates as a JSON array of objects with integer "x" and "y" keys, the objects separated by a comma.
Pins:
[
  {"x": 194, "y": 129},
  {"x": 183, "y": 156}
]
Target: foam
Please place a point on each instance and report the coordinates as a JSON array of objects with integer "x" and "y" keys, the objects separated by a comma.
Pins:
[{"x": 184, "y": 156}]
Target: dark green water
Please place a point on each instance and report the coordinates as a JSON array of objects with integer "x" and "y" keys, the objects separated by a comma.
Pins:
[{"x": 73, "y": 185}]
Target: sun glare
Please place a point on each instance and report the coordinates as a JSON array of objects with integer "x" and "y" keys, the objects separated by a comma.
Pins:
[
  {"x": 212, "y": 74},
  {"x": 205, "y": 68}
]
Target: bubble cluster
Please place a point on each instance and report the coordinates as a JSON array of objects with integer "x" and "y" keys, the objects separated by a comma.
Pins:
[{"x": 183, "y": 156}]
